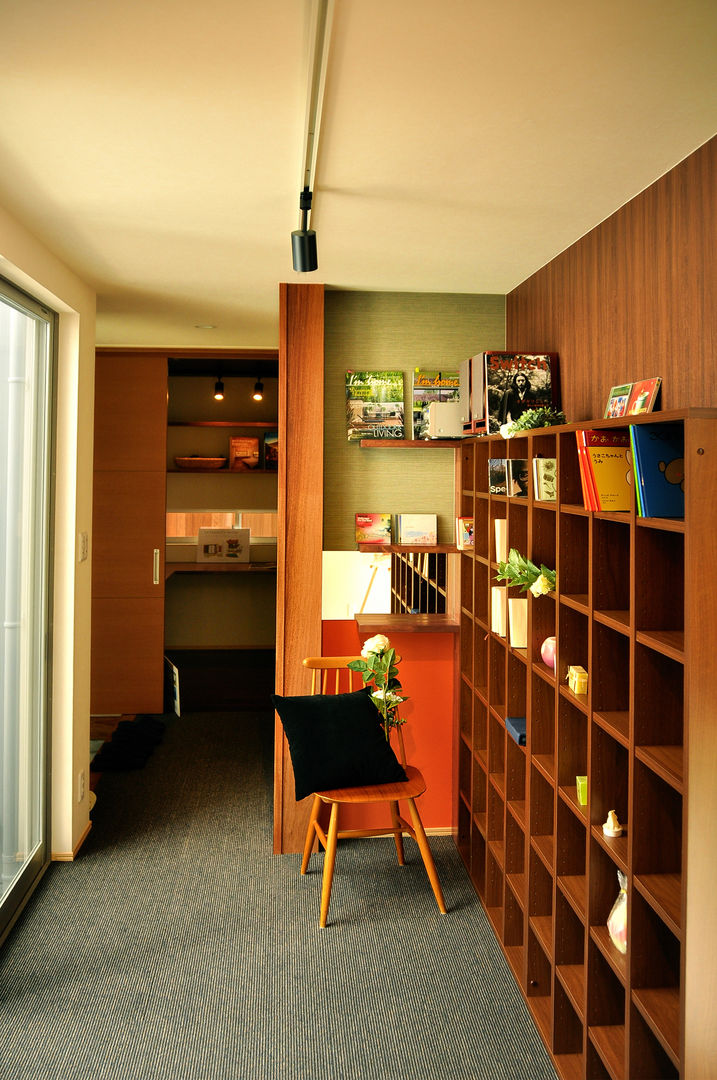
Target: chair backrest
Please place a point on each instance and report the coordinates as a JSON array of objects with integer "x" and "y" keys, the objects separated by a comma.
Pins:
[{"x": 344, "y": 680}]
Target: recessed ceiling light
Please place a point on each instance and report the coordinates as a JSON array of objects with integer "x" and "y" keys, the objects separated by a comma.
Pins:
[{"x": 204, "y": 326}]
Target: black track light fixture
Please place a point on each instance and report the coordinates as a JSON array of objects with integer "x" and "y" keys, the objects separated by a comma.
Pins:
[
  {"x": 258, "y": 393},
  {"x": 303, "y": 240},
  {"x": 219, "y": 389}
]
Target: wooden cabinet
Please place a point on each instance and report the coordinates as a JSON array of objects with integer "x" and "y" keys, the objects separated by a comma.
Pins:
[
  {"x": 634, "y": 605},
  {"x": 128, "y": 533}
]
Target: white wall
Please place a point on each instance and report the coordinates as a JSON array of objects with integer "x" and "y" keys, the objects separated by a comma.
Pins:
[{"x": 28, "y": 264}]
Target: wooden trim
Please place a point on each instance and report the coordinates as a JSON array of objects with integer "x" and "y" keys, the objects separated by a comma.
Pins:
[{"x": 300, "y": 526}]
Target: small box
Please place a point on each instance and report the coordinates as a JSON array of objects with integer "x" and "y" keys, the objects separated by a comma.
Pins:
[
  {"x": 515, "y": 726},
  {"x": 581, "y": 783},
  {"x": 578, "y": 679}
]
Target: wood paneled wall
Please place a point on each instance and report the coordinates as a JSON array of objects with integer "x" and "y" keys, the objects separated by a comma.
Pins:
[{"x": 635, "y": 297}]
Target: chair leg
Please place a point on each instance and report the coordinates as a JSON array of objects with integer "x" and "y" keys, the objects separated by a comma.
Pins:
[
  {"x": 310, "y": 834},
  {"x": 397, "y": 836},
  {"x": 425, "y": 850},
  {"x": 329, "y": 860}
]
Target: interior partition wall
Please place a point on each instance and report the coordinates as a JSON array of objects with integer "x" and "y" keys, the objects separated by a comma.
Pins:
[{"x": 26, "y": 436}]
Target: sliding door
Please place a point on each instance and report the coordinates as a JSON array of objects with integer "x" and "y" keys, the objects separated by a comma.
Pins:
[{"x": 26, "y": 427}]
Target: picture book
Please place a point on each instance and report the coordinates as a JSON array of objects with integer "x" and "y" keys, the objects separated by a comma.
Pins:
[
  {"x": 660, "y": 468},
  {"x": 465, "y": 537},
  {"x": 374, "y": 405},
  {"x": 271, "y": 451},
  {"x": 586, "y": 477},
  {"x": 497, "y": 476},
  {"x": 617, "y": 401},
  {"x": 417, "y": 529},
  {"x": 517, "y": 477},
  {"x": 516, "y": 382},
  {"x": 610, "y": 462},
  {"x": 636, "y": 474},
  {"x": 243, "y": 453},
  {"x": 643, "y": 396},
  {"x": 373, "y": 529},
  {"x": 518, "y": 622},
  {"x": 545, "y": 479},
  {"x": 429, "y": 386},
  {"x": 633, "y": 398}
]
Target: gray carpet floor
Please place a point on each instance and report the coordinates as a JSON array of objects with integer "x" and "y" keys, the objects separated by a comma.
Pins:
[{"x": 177, "y": 946}]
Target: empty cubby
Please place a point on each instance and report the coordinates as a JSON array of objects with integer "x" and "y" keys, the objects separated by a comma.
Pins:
[
  {"x": 657, "y": 839},
  {"x": 477, "y": 861},
  {"x": 496, "y": 673},
  {"x": 480, "y": 729},
  {"x": 659, "y": 699},
  {"x": 496, "y": 751},
  {"x": 466, "y": 711},
  {"x": 515, "y": 702},
  {"x": 567, "y": 1027},
  {"x": 518, "y": 525},
  {"x": 646, "y": 1057},
  {"x": 573, "y": 561},
  {"x": 610, "y": 674},
  {"x": 570, "y": 843},
  {"x": 542, "y": 543},
  {"x": 466, "y": 565},
  {"x": 467, "y": 646},
  {"x": 541, "y": 805},
  {"x": 542, "y": 725},
  {"x": 611, "y": 566},
  {"x": 659, "y": 594},
  {"x": 479, "y": 794}
]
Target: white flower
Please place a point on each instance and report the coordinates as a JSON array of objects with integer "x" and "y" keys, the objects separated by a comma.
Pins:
[
  {"x": 540, "y": 586},
  {"x": 375, "y": 645},
  {"x": 506, "y": 430}
]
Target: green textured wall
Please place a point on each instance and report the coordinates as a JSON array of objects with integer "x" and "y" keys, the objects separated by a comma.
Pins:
[{"x": 396, "y": 331}]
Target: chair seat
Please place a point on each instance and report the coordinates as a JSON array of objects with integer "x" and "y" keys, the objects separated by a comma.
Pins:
[{"x": 410, "y": 788}]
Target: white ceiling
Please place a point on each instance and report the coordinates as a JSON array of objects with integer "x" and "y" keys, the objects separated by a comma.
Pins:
[{"x": 157, "y": 145}]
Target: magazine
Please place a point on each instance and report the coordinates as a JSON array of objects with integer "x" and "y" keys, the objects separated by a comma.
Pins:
[
  {"x": 516, "y": 382},
  {"x": 431, "y": 386},
  {"x": 374, "y": 405}
]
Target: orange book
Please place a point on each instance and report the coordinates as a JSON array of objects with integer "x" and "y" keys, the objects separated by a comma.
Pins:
[
  {"x": 610, "y": 463},
  {"x": 243, "y": 453}
]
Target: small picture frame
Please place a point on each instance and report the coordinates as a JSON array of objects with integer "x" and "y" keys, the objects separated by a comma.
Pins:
[{"x": 617, "y": 401}]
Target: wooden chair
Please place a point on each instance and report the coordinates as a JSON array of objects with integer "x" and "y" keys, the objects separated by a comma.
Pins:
[{"x": 407, "y": 790}]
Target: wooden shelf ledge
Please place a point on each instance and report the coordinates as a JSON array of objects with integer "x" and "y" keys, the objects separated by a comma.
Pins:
[
  {"x": 406, "y": 624},
  {"x": 217, "y": 568}
]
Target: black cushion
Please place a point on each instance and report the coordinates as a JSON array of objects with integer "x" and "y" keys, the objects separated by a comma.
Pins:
[{"x": 336, "y": 740}]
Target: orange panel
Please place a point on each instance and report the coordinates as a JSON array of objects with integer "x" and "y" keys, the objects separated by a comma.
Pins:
[{"x": 428, "y": 677}]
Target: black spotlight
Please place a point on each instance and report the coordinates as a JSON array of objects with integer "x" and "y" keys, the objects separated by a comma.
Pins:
[{"x": 303, "y": 240}]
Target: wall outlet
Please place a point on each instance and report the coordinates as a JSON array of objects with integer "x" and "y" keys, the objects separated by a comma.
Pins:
[{"x": 80, "y": 785}]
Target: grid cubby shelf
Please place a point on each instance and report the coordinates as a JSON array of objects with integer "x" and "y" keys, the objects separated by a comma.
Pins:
[{"x": 634, "y": 607}]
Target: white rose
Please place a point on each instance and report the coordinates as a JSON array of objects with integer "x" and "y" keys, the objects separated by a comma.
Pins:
[
  {"x": 375, "y": 645},
  {"x": 540, "y": 586}
]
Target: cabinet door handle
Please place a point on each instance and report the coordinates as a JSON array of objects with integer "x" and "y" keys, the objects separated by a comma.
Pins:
[{"x": 155, "y": 567}]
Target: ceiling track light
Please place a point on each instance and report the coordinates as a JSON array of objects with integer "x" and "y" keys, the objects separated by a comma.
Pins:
[
  {"x": 219, "y": 389},
  {"x": 303, "y": 240},
  {"x": 258, "y": 394}
]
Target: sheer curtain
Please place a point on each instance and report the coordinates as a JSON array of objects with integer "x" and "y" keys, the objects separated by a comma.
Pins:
[{"x": 25, "y": 444}]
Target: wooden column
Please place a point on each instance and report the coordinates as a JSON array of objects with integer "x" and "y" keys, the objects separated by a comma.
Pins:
[{"x": 300, "y": 527}]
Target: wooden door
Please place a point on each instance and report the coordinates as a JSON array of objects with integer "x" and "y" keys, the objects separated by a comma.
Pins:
[{"x": 128, "y": 533}]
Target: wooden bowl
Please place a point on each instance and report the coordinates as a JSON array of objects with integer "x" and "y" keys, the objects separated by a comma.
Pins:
[{"x": 200, "y": 462}]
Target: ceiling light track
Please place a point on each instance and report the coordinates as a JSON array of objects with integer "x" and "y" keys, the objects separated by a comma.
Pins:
[{"x": 303, "y": 240}]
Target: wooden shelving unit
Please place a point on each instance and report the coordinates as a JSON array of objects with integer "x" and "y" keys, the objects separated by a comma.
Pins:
[{"x": 630, "y": 606}]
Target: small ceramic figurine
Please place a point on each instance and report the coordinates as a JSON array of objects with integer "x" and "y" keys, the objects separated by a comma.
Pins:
[{"x": 612, "y": 826}]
